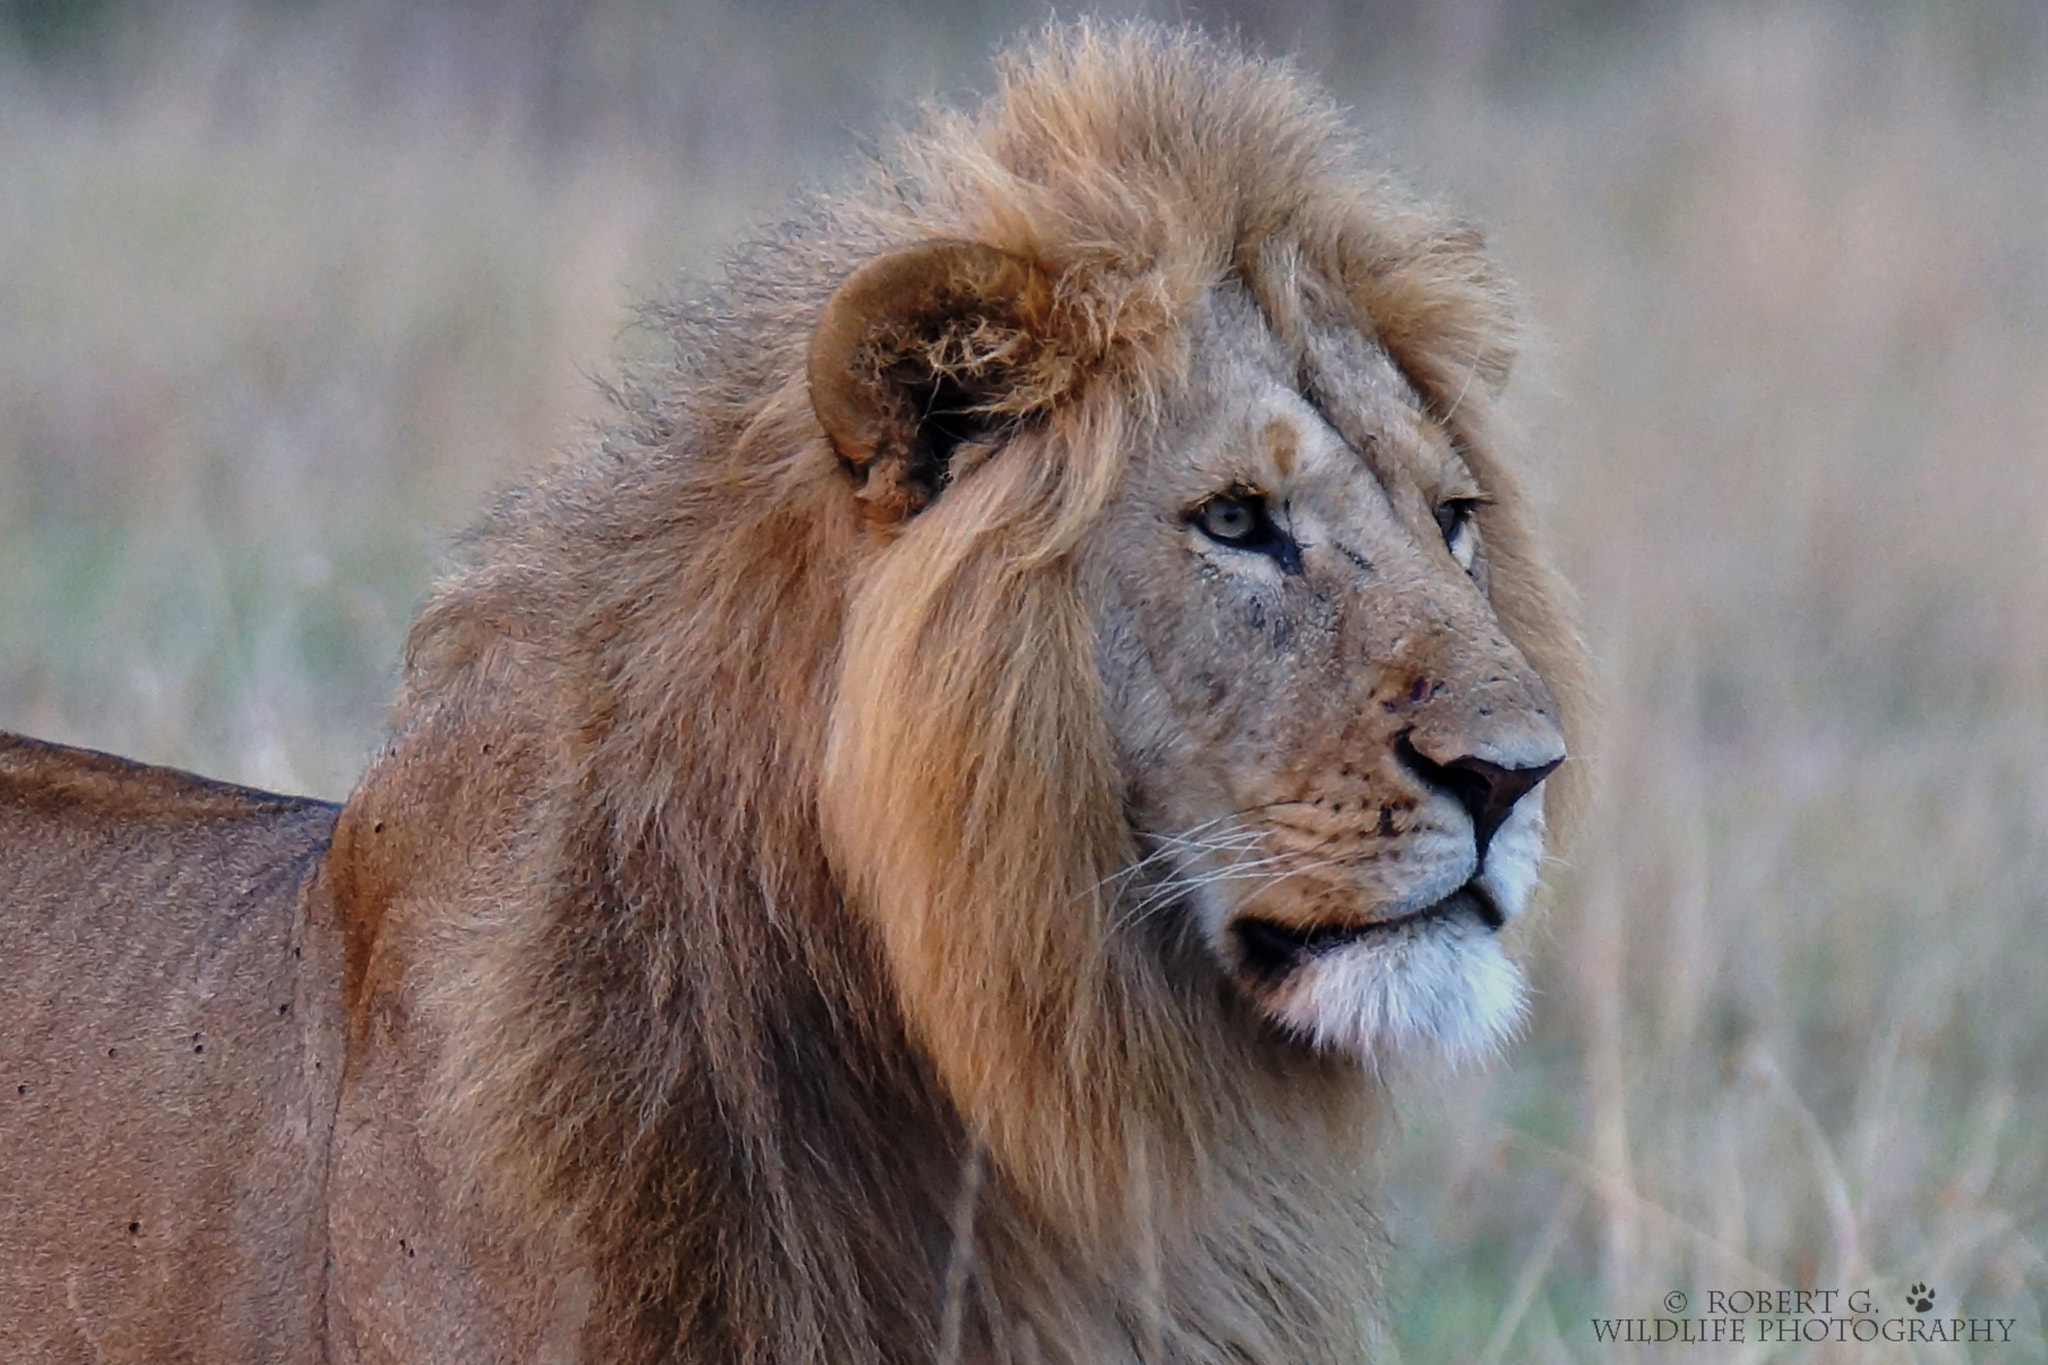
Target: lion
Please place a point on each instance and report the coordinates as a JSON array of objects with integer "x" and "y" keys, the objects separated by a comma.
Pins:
[{"x": 924, "y": 844}]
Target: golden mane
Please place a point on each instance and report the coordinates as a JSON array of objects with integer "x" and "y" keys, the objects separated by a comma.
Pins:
[{"x": 798, "y": 816}]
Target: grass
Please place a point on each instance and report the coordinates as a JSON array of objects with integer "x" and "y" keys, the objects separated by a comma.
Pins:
[{"x": 287, "y": 296}]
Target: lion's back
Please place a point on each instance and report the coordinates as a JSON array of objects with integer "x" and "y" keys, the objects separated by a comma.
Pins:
[{"x": 170, "y": 1050}]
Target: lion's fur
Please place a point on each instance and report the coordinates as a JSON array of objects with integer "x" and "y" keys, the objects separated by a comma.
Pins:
[
  {"x": 755, "y": 719},
  {"x": 738, "y": 892},
  {"x": 169, "y": 1063}
]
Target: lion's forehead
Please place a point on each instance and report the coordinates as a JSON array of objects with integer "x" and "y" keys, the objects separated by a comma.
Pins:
[{"x": 1331, "y": 413}]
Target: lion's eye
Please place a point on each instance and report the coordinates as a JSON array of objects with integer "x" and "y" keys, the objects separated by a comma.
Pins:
[
  {"x": 1231, "y": 520},
  {"x": 1454, "y": 519},
  {"x": 1240, "y": 520}
]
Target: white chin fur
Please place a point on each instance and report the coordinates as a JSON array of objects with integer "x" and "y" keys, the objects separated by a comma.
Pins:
[{"x": 1441, "y": 991}]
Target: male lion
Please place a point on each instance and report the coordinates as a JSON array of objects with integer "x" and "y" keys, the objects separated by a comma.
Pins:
[{"x": 917, "y": 848}]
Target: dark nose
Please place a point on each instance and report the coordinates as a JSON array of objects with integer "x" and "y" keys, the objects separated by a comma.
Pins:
[{"x": 1486, "y": 790}]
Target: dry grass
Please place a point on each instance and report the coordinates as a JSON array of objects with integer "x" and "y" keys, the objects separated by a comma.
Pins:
[{"x": 283, "y": 303}]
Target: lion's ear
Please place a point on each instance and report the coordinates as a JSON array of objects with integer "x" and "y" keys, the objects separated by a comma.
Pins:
[{"x": 921, "y": 351}]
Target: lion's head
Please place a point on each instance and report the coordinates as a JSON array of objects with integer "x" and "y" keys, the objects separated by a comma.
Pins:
[
  {"x": 1280, "y": 625},
  {"x": 1199, "y": 628},
  {"x": 1059, "y": 670}
]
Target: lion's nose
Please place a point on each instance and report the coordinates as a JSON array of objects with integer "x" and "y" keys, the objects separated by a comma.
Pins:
[{"x": 1487, "y": 790}]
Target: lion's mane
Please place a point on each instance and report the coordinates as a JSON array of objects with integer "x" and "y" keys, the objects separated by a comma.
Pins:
[{"x": 797, "y": 987}]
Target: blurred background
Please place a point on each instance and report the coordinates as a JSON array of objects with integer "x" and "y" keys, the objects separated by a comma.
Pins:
[{"x": 287, "y": 288}]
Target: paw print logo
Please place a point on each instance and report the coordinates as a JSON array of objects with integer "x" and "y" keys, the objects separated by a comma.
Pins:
[{"x": 1920, "y": 1297}]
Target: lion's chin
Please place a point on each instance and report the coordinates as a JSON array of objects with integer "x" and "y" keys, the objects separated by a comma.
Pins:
[{"x": 1432, "y": 986}]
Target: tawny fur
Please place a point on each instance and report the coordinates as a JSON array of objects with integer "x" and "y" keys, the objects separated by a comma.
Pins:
[
  {"x": 738, "y": 898},
  {"x": 701, "y": 605}
]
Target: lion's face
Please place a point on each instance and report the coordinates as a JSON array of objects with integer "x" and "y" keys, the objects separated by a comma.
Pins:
[
  {"x": 1217, "y": 656},
  {"x": 1330, "y": 747}
]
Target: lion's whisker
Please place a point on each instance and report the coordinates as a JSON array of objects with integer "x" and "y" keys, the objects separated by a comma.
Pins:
[{"x": 1170, "y": 891}]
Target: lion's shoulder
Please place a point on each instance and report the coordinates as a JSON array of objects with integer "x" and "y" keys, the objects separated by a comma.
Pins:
[
  {"x": 108, "y": 846},
  {"x": 97, "y": 849},
  {"x": 84, "y": 785}
]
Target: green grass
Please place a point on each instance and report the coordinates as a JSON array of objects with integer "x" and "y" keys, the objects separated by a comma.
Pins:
[{"x": 281, "y": 308}]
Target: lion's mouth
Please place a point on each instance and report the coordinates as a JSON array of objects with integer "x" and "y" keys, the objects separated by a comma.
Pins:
[{"x": 1269, "y": 951}]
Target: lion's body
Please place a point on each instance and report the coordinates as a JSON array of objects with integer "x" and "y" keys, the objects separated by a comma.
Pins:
[
  {"x": 873, "y": 864},
  {"x": 171, "y": 1055}
]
